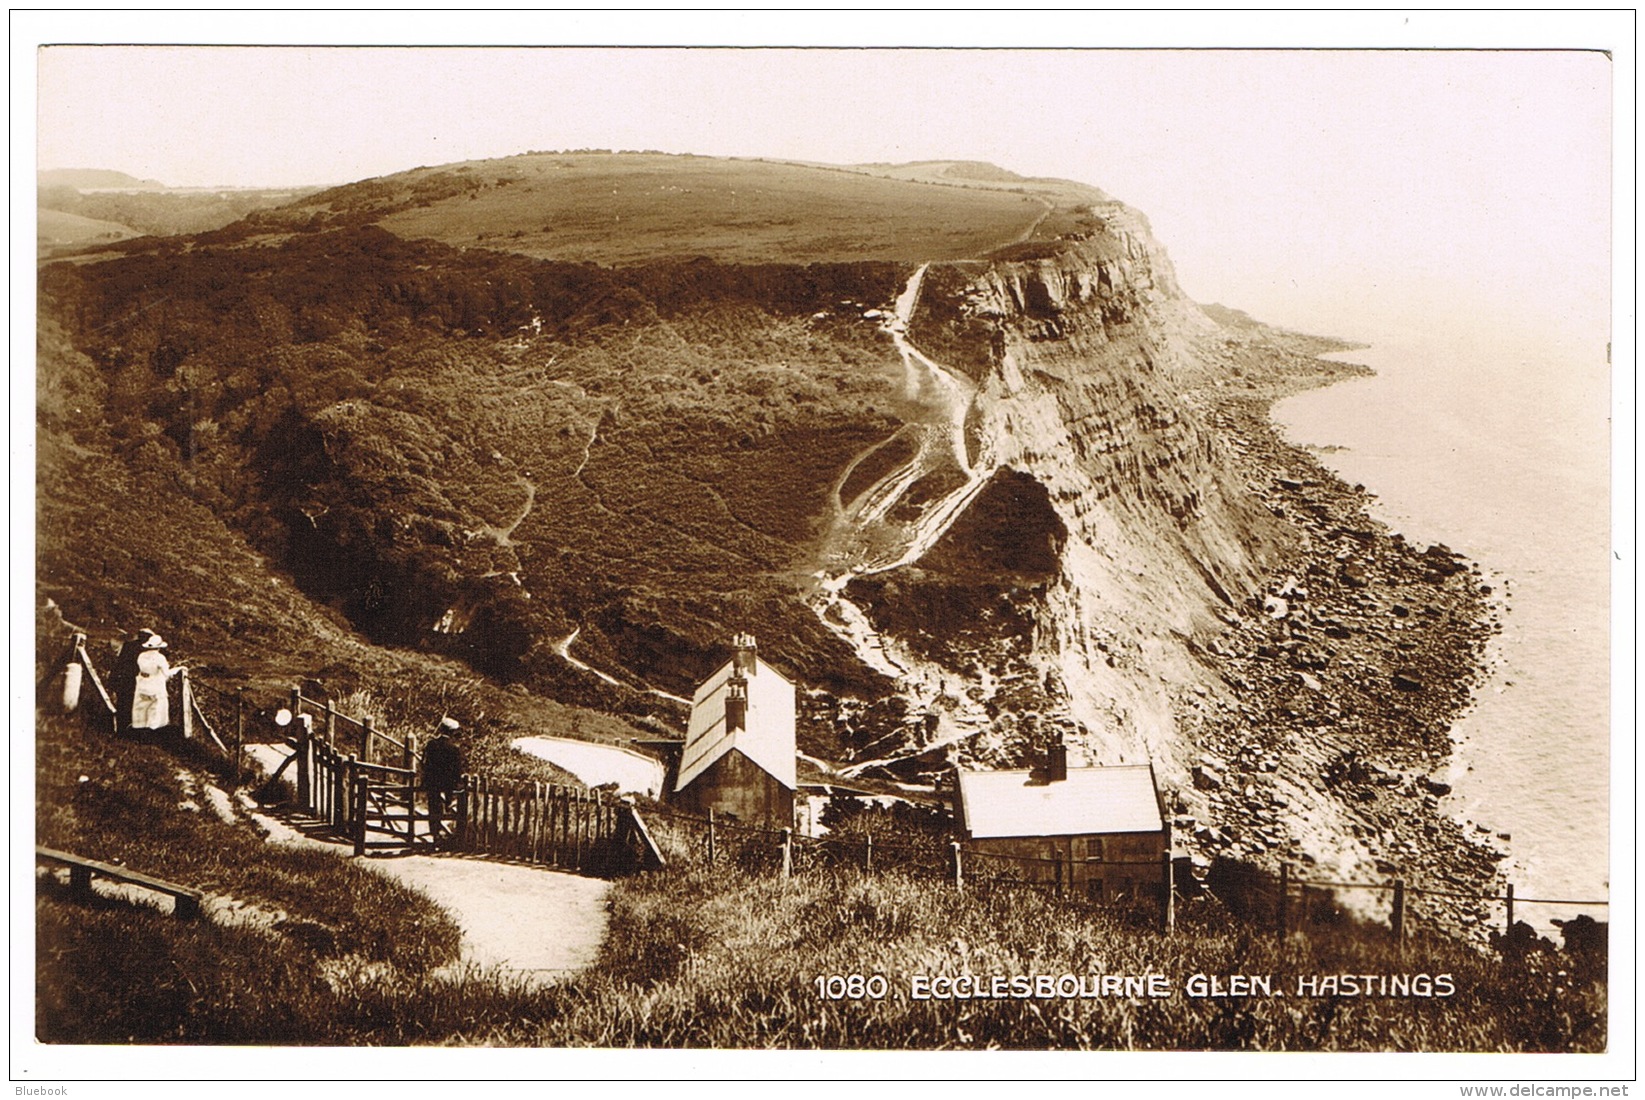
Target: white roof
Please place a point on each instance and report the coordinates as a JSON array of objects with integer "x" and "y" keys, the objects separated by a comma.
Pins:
[
  {"x": 768, "y": 739},
  {"x": 1117, "y": 799}
]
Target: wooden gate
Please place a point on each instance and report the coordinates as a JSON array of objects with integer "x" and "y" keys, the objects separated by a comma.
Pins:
[{"x": 378, "y": 806}]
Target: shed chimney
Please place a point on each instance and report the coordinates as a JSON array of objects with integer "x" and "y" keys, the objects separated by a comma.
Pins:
[
  {"x": 743, "y": 663},
  {"x": 1056, "y": 760}
]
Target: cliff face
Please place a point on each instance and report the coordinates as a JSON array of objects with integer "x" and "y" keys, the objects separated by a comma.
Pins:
[{"x": 1083, "y": 459}]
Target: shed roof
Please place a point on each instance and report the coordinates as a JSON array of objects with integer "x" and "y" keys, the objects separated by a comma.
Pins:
[
  {"x": 767, "y": 740},
  {"x": 1117, "y": 799}
]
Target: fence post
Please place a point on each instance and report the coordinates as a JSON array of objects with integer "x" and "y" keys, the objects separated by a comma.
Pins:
[
  {"x": 1284, "y": 897},
  {"x": 1510, "y": 899},
  {"x": 239, "y": 730},
  {"x": 410, "y": 755},
  {"x": 868, "y": 854},
  {"x": 303, "y": 762},
  {"x": 351, "y": 784},
  {"x": 461, "y": 825},
  {"x": 185, "y": 703},
  {"x": 711, "y": 836},
  {"x": 359, "y": 807},
  {"x": 788, "y": 852},
  {"x": 368, "y": 728},
  {"x": 342, "y": 796},
  {"x": 959, "y": 872},
  {"x": 1168, "y": 906},
  {"x": 71, "y": 679},
  {"x": 577, "y": 835},
  {"x": 1399, "y": 913},
  {"x": 596, "y": 831}
]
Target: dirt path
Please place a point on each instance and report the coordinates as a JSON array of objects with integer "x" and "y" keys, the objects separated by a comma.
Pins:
[
  {"x": 534, "y": 924},
  {"x": 563, "y": 648},
  {"x": 504, "y": 536},
  {"x": 1034, "y": 227},
  {"x": 596, "y": 764}
]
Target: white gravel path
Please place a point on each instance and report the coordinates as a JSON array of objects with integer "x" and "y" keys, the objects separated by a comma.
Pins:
[
  {"x": 595, "y": 764},
  {"x": 534, "y": 924}
]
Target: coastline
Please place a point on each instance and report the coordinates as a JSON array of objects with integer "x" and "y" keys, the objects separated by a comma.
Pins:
[{"x": 1350, "y": 673}]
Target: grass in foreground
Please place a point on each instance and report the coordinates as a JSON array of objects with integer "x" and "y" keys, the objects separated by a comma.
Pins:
[{"x": 723, "y": 959}]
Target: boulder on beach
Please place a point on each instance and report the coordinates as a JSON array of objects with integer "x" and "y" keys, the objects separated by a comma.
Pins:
[{"x": 1434, "y": 786}]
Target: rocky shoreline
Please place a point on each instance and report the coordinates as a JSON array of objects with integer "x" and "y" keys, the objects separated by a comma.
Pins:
[{"x": 1347, "y": 675}]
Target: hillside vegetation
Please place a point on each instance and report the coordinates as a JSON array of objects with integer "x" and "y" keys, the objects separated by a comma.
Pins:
[
  {"x": 477, "y": 451},
  {"x": 499, "y": 448}
]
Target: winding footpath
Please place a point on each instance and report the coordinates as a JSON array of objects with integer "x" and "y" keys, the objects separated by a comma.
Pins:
[
  {"x": 563, "y": 649},
  {"x": 523, "y": 923}
]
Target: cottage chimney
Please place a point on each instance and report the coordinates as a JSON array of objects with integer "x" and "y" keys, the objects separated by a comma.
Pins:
[
  {"x": 1056, "y": 761},
  {"x": 744, "y": 663},
  {"x": 736, "y": 703}
]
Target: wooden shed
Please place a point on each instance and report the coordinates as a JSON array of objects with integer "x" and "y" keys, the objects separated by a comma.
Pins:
[
  {"x": 739, "y": 751},
  {"x": 1099, "y": 832}
]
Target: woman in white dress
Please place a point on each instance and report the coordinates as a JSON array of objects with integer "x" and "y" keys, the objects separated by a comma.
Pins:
[{"x": 150, "y": 709}]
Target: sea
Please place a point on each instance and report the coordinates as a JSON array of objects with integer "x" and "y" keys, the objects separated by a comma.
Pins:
[{"x": 1498, "y": 444}]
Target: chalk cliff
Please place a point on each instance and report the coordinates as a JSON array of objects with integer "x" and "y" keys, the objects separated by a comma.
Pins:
[{"x": 1097, "y": 506}]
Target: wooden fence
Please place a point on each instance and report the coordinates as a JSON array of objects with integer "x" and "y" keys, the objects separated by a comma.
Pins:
[
  {"x": 559, "y": 826},
  {"x": 1289, "y": 903},
  {"x": 361, "y": 784},
  {"x": 1286, "y": 903},
  {"x": 711, "y": 839},
  {"x": 379, "y": 805}
]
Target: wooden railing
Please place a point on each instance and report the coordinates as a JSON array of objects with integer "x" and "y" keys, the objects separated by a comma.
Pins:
[
  {"x": 379, "y": 805},
  {"x": 76, "y": 668},
  {"x": 371, "y": 744}
]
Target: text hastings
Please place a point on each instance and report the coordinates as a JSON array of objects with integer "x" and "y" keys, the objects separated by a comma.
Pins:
[{"x": 972, "y": 987}]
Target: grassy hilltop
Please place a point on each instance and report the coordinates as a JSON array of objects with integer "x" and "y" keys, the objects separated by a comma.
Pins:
[{"x": 636, "y": 208}]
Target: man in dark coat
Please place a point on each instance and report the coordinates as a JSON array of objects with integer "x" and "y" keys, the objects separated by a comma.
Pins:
[
  {"x": 123, "y": 680},
  {"x": 442, "y": 773}
]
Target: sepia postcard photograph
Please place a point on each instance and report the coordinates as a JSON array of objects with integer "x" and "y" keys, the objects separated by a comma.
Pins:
[{"x": 542, "y": 554}]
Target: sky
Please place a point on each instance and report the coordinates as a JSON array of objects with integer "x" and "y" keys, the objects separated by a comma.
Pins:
[{"x": 1306, "y": 186}]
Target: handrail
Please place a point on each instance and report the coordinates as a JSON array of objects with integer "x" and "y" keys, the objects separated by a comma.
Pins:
[
  {"x": 357, "y": 723},
  {"x": 385, "y": 769}
]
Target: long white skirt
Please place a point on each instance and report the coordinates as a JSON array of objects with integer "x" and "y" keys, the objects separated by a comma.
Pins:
[{"x": 150, "y": 709}]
